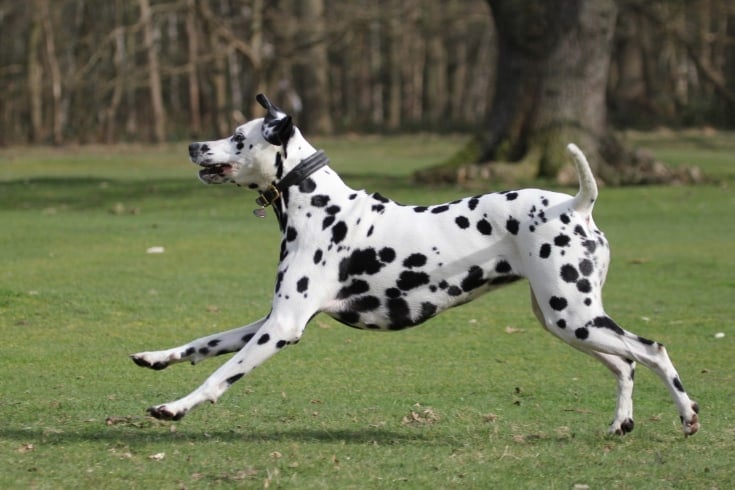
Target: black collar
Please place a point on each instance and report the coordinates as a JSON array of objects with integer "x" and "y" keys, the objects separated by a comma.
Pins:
[{"x": 298, "y": 174}]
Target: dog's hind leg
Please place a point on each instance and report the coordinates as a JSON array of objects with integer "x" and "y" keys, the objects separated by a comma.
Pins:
[
  {"x": 622, "y": 369},
  {"x": 595, "y": 332},
  {"x": 199, "y": 349}
]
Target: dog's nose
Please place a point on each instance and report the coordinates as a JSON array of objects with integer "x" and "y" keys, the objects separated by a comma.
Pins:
[{"x": 193, "y": 149}]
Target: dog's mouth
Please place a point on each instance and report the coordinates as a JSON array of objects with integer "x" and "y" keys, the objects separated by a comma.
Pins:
[{"x": 215, "y": 173}]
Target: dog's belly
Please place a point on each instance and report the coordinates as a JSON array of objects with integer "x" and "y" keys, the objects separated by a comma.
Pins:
[{"x": 397, "y": 310}]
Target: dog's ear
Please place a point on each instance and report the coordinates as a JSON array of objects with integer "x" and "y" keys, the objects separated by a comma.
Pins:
[{"x": 277, "y": 125}]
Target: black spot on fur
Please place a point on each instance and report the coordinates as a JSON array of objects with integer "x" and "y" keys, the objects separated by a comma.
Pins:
[
  {"x": 645, "y": 341},
  {"x": 415, "y": 260},
  {"x": 357, "y": 286},
  {"x": 281, "y": 344},
  {"x": 393, "y": 293},
  {"x": 569, "y": 273},
  {"x": 307, "y": 185},
  {"x": 318, "y": 255},
  {"x": 607, "y": 322},
  {"x": 399, "y": 313},
  {"x": 362, "y": 261},
  {"x": 279, "y": 279},
  {"x": 291, "y": 234},
  {"x": 439, "y": 209},
  {"x": 420, "y": 209},
  {"x": 590, "y": 245},
  {"x": 678, "y": 385},
  {"x": 503, "y": 267},
  {"x": 484, "y": 227},
  {"x": 339, "y": 231},
  {"x": 473, "y": 279},
  {"x": 562, "y": 240},
  {"x": 387, "y": 255},
  {"x": 214, "y": 343},
  {"x": 586, "y": 267},
  {"x": 410, "y": 280},
  {"x": 264, "y": 339},
  {"x": 582, "y": 333},
  {"x": 365, "y": 303},
  {"x": 379, "y": 197},
  {"x": 584, "y": 286},
  {"x": 231, "y": 380},
  {"x": 512, "y": 225},
  {"x": 204, "y": 351},
  {"x": 472, "y": 203},
  {"x": 247, "y": 338},
  {"x": 349, "y": 317},
  {"x": 333, "y": 209},
  {"x": 302, "y": 285},
  {"x": 319, "y": 201},
  {"x": 462, "y": 222},
  {"x": 565, "y": 219},
  {"x": 578, "y": 230},
  {"x": 454, "y": 291},
  {"x": 561, "y": 323},
  {"x": 427, "y": 311},
  {"x": 558, "y": 303},
  {"x": 328, "y": 221},
  {"x": 545, "y": 251},
  {"x": 511, "y": 196}
]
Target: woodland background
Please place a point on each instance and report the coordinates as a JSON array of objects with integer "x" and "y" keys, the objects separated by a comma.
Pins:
[{"x": 80, "y": 71}]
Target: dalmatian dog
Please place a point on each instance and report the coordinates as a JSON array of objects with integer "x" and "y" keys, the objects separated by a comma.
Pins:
[{"x": 375, "y": 264}]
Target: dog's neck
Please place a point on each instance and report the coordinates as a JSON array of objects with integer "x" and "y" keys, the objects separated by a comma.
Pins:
[{"x": 292, "y": 193}]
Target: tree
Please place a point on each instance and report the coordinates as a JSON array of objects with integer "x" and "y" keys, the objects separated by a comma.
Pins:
[
  {"x": 155, "y": 86},
  {"x": 552, "y": 75}
]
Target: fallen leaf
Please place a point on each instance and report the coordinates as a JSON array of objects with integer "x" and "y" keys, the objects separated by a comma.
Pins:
[
  {"x": 26, "y": 448},
  {"x": 490, "y": 417}
]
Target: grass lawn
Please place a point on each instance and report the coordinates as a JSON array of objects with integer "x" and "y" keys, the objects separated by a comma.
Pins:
[{"x": 480, "y": 397}]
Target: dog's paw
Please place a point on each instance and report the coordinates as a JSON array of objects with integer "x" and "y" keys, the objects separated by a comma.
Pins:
[
  {"x": 690, "y": 425},
  {"x": 142, "y": 361},
  {"x": 162, "y": 412},
  {"x": 622, "y": 427}
]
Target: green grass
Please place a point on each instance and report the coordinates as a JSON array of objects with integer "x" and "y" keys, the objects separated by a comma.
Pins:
[{"x": 78, "y": 293}]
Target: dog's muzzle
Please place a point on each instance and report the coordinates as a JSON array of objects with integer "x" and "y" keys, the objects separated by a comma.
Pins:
[{"x": 211, "y": 172}]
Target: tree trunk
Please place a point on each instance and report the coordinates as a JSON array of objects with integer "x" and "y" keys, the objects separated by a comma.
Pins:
[
  {"x": 552, "y": 73},
  {"x": 159, "y": 112},
  {"x": 54, "y": 70},
  {"x": 310, "y": 71},
  {"x": 553, "y": 61},
  {"x": 35, "y": 80},
  {"x": 192, "y": 48}
]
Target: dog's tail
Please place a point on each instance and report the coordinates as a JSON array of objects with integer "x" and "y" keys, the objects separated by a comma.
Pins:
[{"x": 587, "y": 195}]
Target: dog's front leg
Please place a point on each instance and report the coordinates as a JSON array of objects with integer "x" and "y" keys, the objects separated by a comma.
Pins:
[
  {"x": 199, "y": 349},
  {"x": 270, "y": 339}
]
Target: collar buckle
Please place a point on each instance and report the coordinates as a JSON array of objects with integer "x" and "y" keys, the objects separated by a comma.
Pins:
[{"x": 268, "y": 196}]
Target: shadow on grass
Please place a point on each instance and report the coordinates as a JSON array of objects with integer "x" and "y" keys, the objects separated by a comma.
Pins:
[{"x": 155, "y": 433}]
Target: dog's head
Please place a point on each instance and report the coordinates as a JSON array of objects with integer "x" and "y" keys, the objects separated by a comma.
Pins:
[{"x": 254, "y": 156}]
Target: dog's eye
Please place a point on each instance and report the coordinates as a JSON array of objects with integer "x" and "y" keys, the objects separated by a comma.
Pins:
[{"x": 238, "y": 138}]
